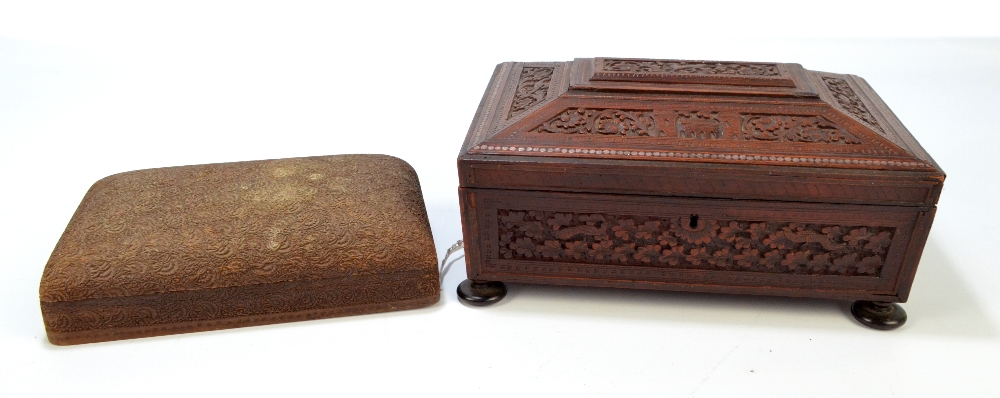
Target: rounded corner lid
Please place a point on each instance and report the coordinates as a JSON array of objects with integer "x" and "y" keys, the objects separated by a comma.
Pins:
[
  {"x": 845, "y": 125},
  {"x": 223, "y": 225}
]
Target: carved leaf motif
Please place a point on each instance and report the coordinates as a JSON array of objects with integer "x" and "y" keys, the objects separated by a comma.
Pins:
[
  {"x": 612, "y": 122},
  {"x": 667, "y": 239},
  {"x": 757, "y": 246},
  {"x": 819, "y": 262},
  {"x": 512, "y": 218},
  {"x": 722, "y": 258},
  {"x": 622, "y": 252},
  {"x": 577, "y": 249},
  {"x": 648, "y": 253},
  {"x": 772, "y": 259},
  {"x": 878, "y": 243},
  {"x": 603, "y": 249},
  {"x": 624, "y": 229},
  {"x": 697, "y": 255},
  {"x": 869, "y": 265},
  {"x": 592, "y": 219},
  {"x": 674, "y": 256},
  {"x": 550, "y": 249},
  {"x": 748, "y": 258},
  {"x": 533, "y": 229},
  {"x": 523, "y": 247},
  {"x": 857, "y": 236},
  {"x": 560, "y": 220},
  {"x": 647, "y": 230}
]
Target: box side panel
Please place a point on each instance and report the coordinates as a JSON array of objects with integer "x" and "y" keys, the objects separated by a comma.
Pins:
[
  {"x": 913, "y": 254},
  {"x": 96, "y": 320},
  {"x": 727, "y": 246}
]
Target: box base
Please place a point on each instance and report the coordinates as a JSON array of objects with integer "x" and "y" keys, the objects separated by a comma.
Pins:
[{"x": 101, "y": 335}]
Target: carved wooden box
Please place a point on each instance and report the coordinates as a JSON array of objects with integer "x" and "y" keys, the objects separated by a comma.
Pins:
[
  {"x": 730, "y": 177},
  {"x": 195, "y": 248}
]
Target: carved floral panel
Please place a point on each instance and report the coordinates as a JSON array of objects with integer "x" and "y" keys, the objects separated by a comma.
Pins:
[
  {"x": 693, "y": 242},
  {"x": 790, "y": 128},
  {"x": 849, "y": 100},
  {"x": 532, "y": 87},
  {"x": 610, "y": 122},
  {"x": 691, "y": 68}
]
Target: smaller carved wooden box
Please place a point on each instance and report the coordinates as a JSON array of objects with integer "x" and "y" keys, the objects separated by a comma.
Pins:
[
  {"x": 193, "y": 248},
  {"x": 729, "y": 177}
]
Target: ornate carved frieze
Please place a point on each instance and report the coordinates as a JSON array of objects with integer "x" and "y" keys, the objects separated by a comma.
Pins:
[
  {"x": 610, "y": 122},
  {"x": 788, "y": 128},
  {"x": 849, "y": 100},
  {"x": 690, "y": 67},
  {"x": 532, "y": 87},
  {"x": 693, "y": 242}
]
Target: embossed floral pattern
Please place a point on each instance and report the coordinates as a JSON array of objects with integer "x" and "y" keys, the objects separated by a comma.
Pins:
[
  {"x": 693, "y": 242},
  {"x": 232, "y": 225}
]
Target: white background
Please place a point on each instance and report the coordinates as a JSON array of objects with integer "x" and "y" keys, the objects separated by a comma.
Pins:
[{"x": 92, "y": 89}]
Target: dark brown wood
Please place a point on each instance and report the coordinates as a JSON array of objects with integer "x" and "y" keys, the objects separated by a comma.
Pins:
[
  {"x": 481, "y": 293},
  {"x": 879, "y": 315},
  {"x": 730, "y": 177}
]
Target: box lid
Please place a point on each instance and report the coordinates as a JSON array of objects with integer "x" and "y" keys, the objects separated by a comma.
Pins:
[
  {"x": 223, "y": 225},
  {"x": 701, "y": 116}
]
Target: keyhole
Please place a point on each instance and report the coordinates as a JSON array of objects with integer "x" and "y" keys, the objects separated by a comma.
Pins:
[{"x": 694, "y": 221}]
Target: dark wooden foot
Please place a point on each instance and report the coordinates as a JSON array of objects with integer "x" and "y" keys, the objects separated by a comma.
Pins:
[
  {"x": 481, "y": 293},
  {"x": 878, "y": 315}
]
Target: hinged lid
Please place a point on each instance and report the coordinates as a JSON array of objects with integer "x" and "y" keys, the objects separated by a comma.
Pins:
[{"x": 692, "y": 111}]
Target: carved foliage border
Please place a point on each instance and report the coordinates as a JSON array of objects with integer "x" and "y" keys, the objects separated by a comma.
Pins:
[
  {"x": 697, "y": 125},
  {"x": 691, "y": 67},
  {"x": 849, "y": 100},
  {"x": 692, "y": 242}
]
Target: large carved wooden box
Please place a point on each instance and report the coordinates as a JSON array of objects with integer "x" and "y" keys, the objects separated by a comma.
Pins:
[{"x": 729, "y": 177}]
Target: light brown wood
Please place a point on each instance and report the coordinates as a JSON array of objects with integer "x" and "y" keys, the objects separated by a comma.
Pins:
[{"x": 207, "y": 247}]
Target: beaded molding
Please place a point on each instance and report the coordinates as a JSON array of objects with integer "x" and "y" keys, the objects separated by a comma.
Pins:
[{"x": 790, "y": 159}]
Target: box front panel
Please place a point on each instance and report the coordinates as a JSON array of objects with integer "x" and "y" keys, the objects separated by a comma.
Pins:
[{"x": 733, "y": 246}]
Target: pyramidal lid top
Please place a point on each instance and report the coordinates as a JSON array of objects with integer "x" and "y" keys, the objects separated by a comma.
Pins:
[{"x": 691, "y": 111}]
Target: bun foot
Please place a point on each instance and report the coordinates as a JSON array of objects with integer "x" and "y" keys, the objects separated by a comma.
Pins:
[
  {"x": 481, "y": 293},
  {"x": 878, "y": 315}
]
